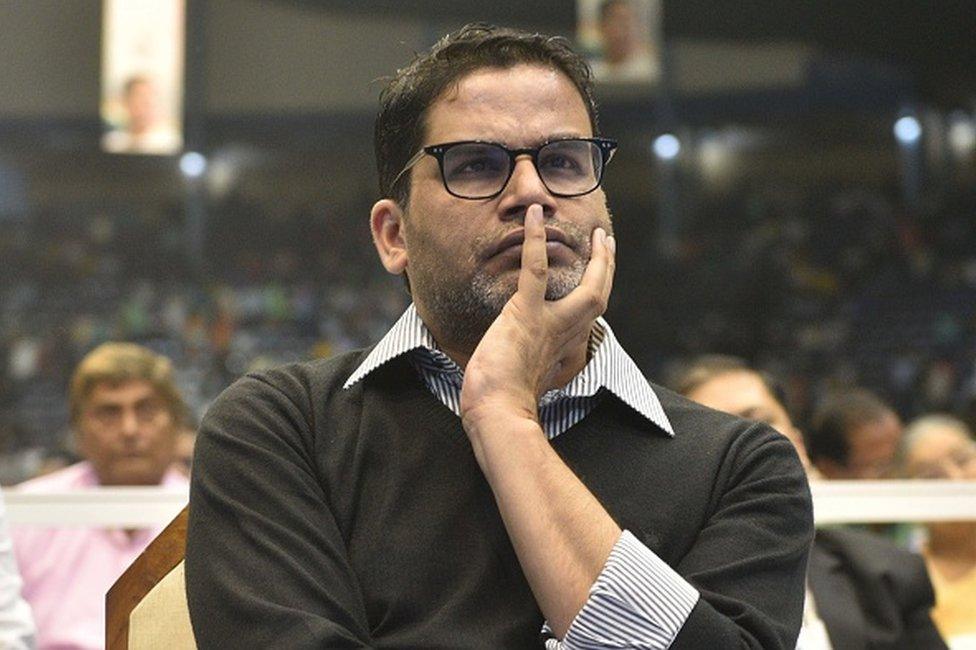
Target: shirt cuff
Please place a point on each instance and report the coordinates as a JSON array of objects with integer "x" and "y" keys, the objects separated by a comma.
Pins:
[{"x": 637, "y": 601}]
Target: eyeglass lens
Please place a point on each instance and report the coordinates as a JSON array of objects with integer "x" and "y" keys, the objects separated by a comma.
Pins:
[{"x": 476, "y": 170}]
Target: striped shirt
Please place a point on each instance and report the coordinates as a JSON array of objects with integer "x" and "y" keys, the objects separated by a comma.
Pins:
[{"x": 637, "y": 601}]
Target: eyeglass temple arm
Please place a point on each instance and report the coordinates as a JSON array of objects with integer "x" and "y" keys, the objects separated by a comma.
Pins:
[{"x": 410, "y": 163}]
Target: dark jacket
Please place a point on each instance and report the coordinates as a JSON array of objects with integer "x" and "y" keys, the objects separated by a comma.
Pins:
[{"x": 871, "y": 594}]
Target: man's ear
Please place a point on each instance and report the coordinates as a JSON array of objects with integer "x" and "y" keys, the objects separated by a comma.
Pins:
[{"x": 386, "y": 224}]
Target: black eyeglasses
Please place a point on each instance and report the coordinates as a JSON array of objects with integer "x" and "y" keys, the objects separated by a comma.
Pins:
[{"x": 481, "y": 170}]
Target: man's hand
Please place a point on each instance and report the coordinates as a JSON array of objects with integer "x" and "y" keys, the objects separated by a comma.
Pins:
[
  {"x": 560, "y": 532},
  {"x": 533, "y": 341}
]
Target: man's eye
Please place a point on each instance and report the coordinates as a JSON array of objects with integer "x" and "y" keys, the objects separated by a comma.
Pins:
[
  {"x": 560, "y": 162},
  {"x": 476, "y": 166},
  {"x": 105, "y": 412}
]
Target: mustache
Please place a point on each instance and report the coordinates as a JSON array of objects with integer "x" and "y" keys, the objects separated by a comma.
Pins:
[{"x": 566, "y": 233}]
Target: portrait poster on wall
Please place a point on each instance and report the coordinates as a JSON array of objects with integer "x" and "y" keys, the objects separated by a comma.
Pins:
[
  {"x": 622, "y": 39},
  {"x": 142, "y": 76}
]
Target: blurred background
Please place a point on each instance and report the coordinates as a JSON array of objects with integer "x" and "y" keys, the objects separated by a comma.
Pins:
[{"x": 794, "y": 184}]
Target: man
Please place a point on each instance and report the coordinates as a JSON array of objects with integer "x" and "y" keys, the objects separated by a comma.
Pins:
[
  {"x": 854, "y": 435},
  {"x": 125, "y": 410},
  {"x": 496, "y": 462},
  {"x": 863, "y": 591},
  {"x": 145, "y": 130},
  {"x": 941, "y": 447},
  {"x": 625, "y": 54}
]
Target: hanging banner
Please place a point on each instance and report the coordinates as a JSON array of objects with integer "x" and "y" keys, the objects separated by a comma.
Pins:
[
  {"x": 622, "y": 39},
  {"x": 142, "y": 76}
]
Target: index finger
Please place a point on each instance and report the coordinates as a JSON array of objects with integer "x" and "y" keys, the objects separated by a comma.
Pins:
[{"x": 534, "y": 274}]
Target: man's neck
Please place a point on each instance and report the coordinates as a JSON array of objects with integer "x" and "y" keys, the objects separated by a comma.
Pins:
[{"x": 460, "y": 353}]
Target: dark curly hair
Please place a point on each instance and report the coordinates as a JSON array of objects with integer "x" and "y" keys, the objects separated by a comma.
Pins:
[{"x": 401, "y": 121}]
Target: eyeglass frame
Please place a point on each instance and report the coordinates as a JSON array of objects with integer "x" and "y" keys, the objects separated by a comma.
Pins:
[{"x": 606, "y": 146}]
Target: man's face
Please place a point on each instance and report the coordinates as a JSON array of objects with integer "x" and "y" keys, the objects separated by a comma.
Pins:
[
  {"x": 462, "y": 269},
  {"x": 140, "y": 101},
  {"x": 871, "y": 450},
  {"x": 618, "y": 29},
  {"x": 744, "y": 394},
  {"x": 127, "y": 432}
]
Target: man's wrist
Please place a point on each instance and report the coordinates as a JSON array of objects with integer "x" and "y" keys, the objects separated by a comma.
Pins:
[
  {"x": 502, "y": 436},
  {"x": 501, "y": 413}
]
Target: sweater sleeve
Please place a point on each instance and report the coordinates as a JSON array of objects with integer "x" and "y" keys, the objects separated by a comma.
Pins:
[
  {"x": 266, "y": 563},
  {"x": 739, "y": 585},
  {"x": 749, "y": 561}
]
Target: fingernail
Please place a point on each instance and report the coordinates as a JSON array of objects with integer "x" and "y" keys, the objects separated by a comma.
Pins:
[{"x": 611, "y": 243}]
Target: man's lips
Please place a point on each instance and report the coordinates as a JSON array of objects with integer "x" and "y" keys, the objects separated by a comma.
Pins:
[{"x": 515, "y": 238}]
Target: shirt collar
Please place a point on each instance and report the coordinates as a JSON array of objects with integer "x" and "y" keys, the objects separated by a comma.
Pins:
[{"x": 609, "y": 366}]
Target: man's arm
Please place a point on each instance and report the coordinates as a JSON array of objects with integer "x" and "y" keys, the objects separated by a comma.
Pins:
[
  {"x": 560, "y": 532},
  {"x": 266, "y": 565},
  {"x": 563, "y": 536}
]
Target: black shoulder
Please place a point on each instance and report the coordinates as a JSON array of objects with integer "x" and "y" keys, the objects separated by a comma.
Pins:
[
  {"x": 319, "y": 375},
  {"x": 297, "y": 381}
]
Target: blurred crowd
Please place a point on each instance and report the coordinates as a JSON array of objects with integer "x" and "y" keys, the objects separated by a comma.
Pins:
[
  {"x": 892, "y": 586},
  {"x": 827, "y": 287},
  {"x": 266, "y": 295},
  {"x": 831, "y": 288}
]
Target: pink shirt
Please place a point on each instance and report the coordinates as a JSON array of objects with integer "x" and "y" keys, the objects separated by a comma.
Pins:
[{"x": 67, "y": 571}]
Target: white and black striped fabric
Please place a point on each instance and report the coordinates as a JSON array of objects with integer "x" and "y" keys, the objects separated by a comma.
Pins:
[{"x": 637, "y": 601}]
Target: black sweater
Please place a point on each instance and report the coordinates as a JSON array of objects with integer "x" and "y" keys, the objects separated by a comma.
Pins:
[{"x": 329, "y": 518}]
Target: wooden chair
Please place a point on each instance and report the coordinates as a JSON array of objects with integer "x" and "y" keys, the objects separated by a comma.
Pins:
[{"x": 146, "y": 607}]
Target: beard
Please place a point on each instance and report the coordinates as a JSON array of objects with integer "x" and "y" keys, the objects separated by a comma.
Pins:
[{"x": 463, "y": 300}]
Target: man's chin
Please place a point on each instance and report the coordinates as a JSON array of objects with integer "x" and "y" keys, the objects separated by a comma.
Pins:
[
  {"x": 503, "y": 287},
  {"x": 133, "y": 472}
]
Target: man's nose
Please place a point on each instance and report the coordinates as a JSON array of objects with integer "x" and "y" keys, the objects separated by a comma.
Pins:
[
  {"x": 525, "y": 187},
  {"x": 129, "y": 427}
]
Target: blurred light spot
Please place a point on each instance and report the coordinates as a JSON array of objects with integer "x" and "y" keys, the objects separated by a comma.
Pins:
[
  {"x": 962, "y": 134},
  {"x": 667, "y": 147},
  {"x": 193, "y": 164},
  {"x": 908, "y": 130}
]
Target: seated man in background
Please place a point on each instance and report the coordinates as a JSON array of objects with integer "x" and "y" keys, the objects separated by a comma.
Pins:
[
  {"x": 854, "y": 435},
  {"x": 125, "y": 410},
  {"x": 864, "y": 591},
  {"x": 941, "y": 447}
]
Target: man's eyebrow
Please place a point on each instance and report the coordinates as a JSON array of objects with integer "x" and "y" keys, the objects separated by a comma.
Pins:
[
  {"x": 567, "y": 135},
  {"x": 552, "y": 137}
]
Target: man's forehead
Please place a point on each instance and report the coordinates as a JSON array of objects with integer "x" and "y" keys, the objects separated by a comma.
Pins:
[
  {"x": 520, "y": 105},
  {"x": 129, "y": 389}
]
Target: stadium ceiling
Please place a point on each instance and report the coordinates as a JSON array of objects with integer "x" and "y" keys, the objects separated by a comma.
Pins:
[{"x": 931, "y": 40}]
